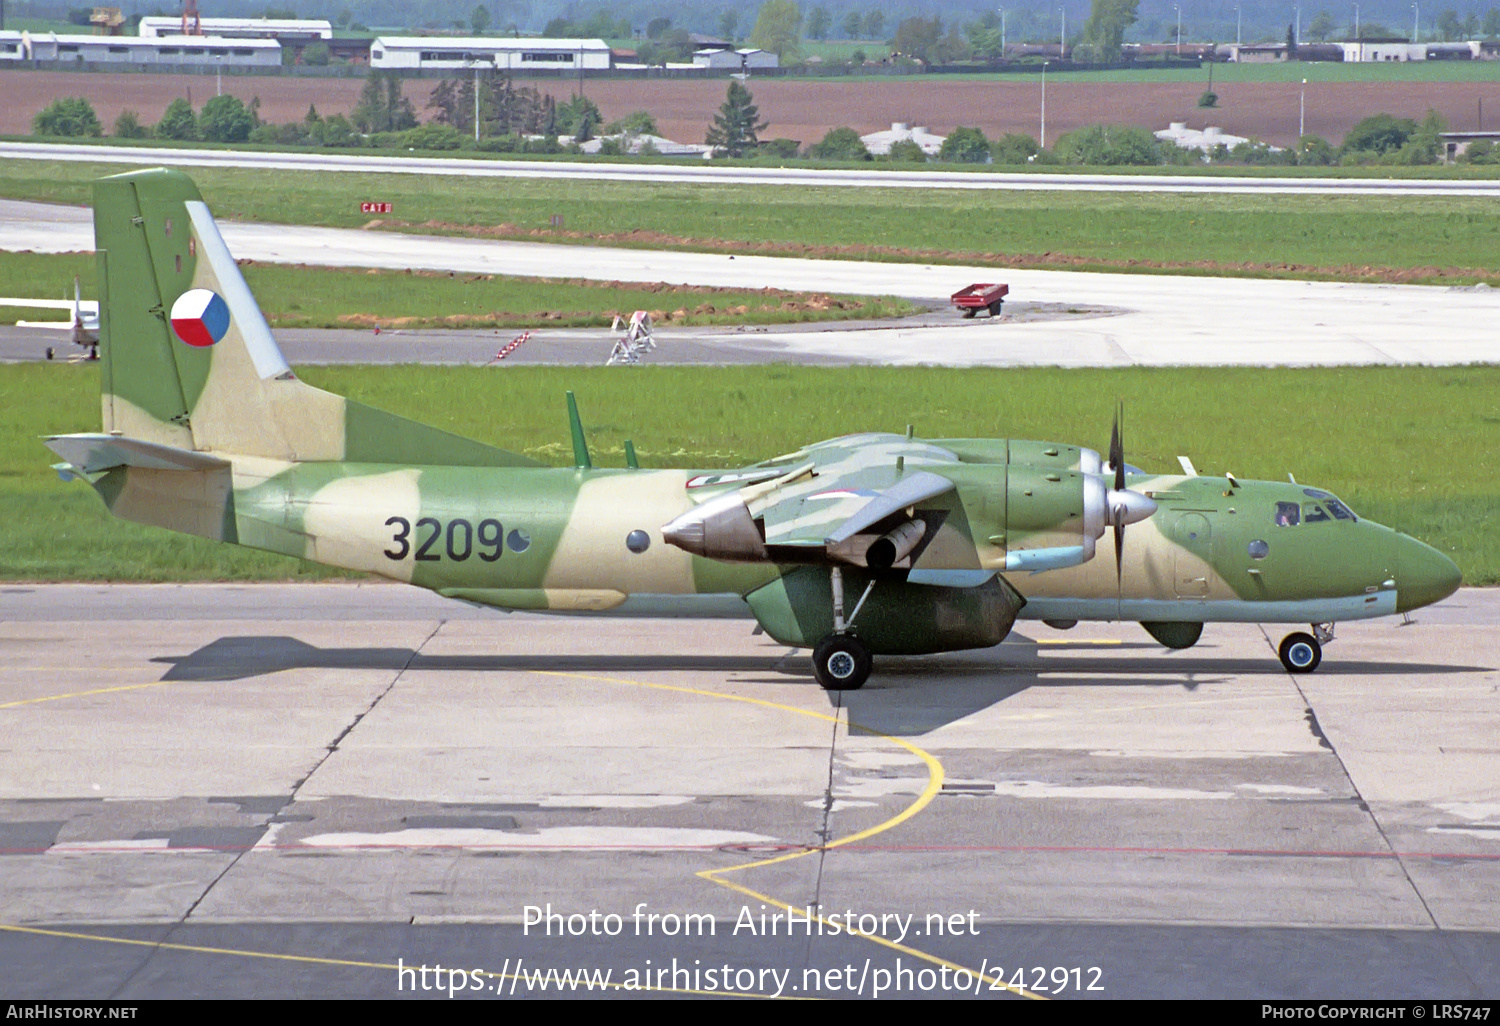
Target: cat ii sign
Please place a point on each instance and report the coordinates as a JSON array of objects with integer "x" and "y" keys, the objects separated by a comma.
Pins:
[{"x": 374, "y": 208}]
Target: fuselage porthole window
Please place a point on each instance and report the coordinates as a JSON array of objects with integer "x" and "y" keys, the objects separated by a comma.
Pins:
[{"x": 1288, "y": 514}]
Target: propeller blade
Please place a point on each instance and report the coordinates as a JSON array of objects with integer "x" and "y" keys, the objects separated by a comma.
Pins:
[
  {"x": 1119, "y": 555},
  {"x": 1117, "y": 514},
  {"x": 1117, "y": 449}
]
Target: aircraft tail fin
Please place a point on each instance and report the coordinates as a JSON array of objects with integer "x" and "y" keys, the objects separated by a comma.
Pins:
[{"x": 188, "y": 360}]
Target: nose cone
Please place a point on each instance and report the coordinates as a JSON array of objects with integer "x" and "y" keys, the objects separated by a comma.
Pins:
[
  {"x": 1127, "y": 507},
  {"x": 1423, "y": 575},
  {"x": 686, "y": 532}
]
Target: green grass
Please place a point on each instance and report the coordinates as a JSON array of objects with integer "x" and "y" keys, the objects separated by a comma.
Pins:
[
  {"x": 1336, "y": 237},
  {"x": 1414, "y": 448},
  {"x": 331, "y": 297}
]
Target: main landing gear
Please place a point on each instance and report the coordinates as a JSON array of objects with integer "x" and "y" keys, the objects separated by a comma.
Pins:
[
  {"x": 841, "y": 662},
  {"x": 1301, "y": 653}
]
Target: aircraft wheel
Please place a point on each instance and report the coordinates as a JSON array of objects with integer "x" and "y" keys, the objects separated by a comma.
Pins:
[
  {"x": 841, "y": 663},
  {"x": 1300, "y": 653}
]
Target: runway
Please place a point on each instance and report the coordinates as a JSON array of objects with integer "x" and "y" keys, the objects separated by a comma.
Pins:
[
  {"x": 697, "y": 172},
  {"x": 291, "y": 790},
  {"x": 1120, "y": 319}
]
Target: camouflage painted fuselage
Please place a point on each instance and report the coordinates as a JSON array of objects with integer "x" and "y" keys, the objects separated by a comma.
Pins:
[{"x": 208, "y": 431}]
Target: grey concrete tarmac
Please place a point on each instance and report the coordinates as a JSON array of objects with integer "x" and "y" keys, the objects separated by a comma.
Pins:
[
  {"x": 699, "y": 172},
  {"x": 717, "y": 346},
  {"x": 290, "y": 790}
]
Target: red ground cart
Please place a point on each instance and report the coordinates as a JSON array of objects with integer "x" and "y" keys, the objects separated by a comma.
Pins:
[{"x": 973, "y": 298}]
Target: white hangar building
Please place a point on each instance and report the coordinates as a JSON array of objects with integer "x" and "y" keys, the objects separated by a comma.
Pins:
[
  {"x": 297, "y": 30},
  {"x": 414, "y": 53},
  {"x": 204, "y": 51}
]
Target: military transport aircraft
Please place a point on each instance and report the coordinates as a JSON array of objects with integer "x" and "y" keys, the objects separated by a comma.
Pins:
[{"x": 864, "y": 545}]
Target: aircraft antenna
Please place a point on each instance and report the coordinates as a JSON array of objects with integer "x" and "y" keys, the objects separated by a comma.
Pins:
[{"x": 580, "y": 446}]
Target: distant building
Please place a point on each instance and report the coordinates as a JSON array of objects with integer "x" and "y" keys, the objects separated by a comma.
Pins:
[
  {"x": 1453, "y": 145},
  {"x": 354, "y": 49},
  {"x": 634, "y": 144},
  {"x": 1453, "y": 51},
  {"x": 698, "y": 41},
  {"x": 735, "y": 60},
  {"x": 1185, "y": 51},
  {"x": 287, "y": 31},
  {"x": 1255, "y": 53},
  {"x": 458, "y": 53},
  {"x": 12, "y": 47},
  {"x": 1384, "y": 49},
  {"x": 880, "y": 143},
  {"x": 173, "y": 51},
  {"x": 1207, "y": 139}
]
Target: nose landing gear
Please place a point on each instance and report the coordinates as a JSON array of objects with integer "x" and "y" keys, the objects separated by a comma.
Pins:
[{"x": 1301, "y": 653}]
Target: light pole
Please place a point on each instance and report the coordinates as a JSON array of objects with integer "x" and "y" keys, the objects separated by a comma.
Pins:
[
  {"x": 1356, "y": 23},
  {"x": 1416, "y": 23},
  {"x": 1062, "y": 46},
  {"x": 1044, "y": 105},
  {"x": 1002, "y": 32},
  {"x": 1302, "y": 112},
  {"x": 1179, "y": 27},
  {"x": 476, "y": 101},
  {"x": 1297, "y": 24},
  {"x": 1238, "y": 26}
]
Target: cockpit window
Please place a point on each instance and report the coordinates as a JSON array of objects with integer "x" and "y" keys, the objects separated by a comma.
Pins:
[
  {"x": 1315, "y": 513},
  {"x": 1339, "y": 510},
  {"x": 1288, "y": 514},
  {"x": 1316, "y": 493}
]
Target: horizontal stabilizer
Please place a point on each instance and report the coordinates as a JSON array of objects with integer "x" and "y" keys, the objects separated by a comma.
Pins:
[{"x": 91, "y": 454}]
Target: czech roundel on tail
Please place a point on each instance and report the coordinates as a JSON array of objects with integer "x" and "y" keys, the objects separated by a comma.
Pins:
[{"x": 865, "y": 545}]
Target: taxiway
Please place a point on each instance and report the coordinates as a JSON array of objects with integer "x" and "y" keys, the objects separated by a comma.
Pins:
[
  {"x": 1105, "y": 320},
  {"x": 291, "y": 790}
]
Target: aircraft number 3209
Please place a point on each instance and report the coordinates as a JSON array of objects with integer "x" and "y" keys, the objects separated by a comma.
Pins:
[{"x": 459, "y": 539}]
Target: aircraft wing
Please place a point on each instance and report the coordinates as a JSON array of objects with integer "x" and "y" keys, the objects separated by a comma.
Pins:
[
  {"x": 828, "y": 502},
  {"x": 85, "y": 312},
  {"x": 88, "y": 307},
  {"x": 836, "y": 510}
]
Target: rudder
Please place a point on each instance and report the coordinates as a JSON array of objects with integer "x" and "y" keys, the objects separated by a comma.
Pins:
[{"x": 189, "y": 361}]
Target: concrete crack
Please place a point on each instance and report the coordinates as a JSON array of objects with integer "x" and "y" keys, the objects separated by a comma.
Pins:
[
  {"x": 291, "y": 798},
  {"x": 1444, "y": 936}
]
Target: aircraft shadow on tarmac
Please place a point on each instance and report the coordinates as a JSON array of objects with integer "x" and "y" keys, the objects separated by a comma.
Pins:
[{"x": 907, "y": 696}]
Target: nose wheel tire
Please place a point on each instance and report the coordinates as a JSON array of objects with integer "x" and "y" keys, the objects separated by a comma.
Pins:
[
  {"x": 841, "y": 663},
  {"x": 1300, "y": 653}
]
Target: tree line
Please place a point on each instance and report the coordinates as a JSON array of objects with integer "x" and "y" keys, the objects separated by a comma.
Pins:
[{"x": 519, "y": 118}]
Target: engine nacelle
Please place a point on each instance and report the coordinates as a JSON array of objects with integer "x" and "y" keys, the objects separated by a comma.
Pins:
[
  {"x": 1054, "y": 518},
  {"x": 720, "y": 528}
]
